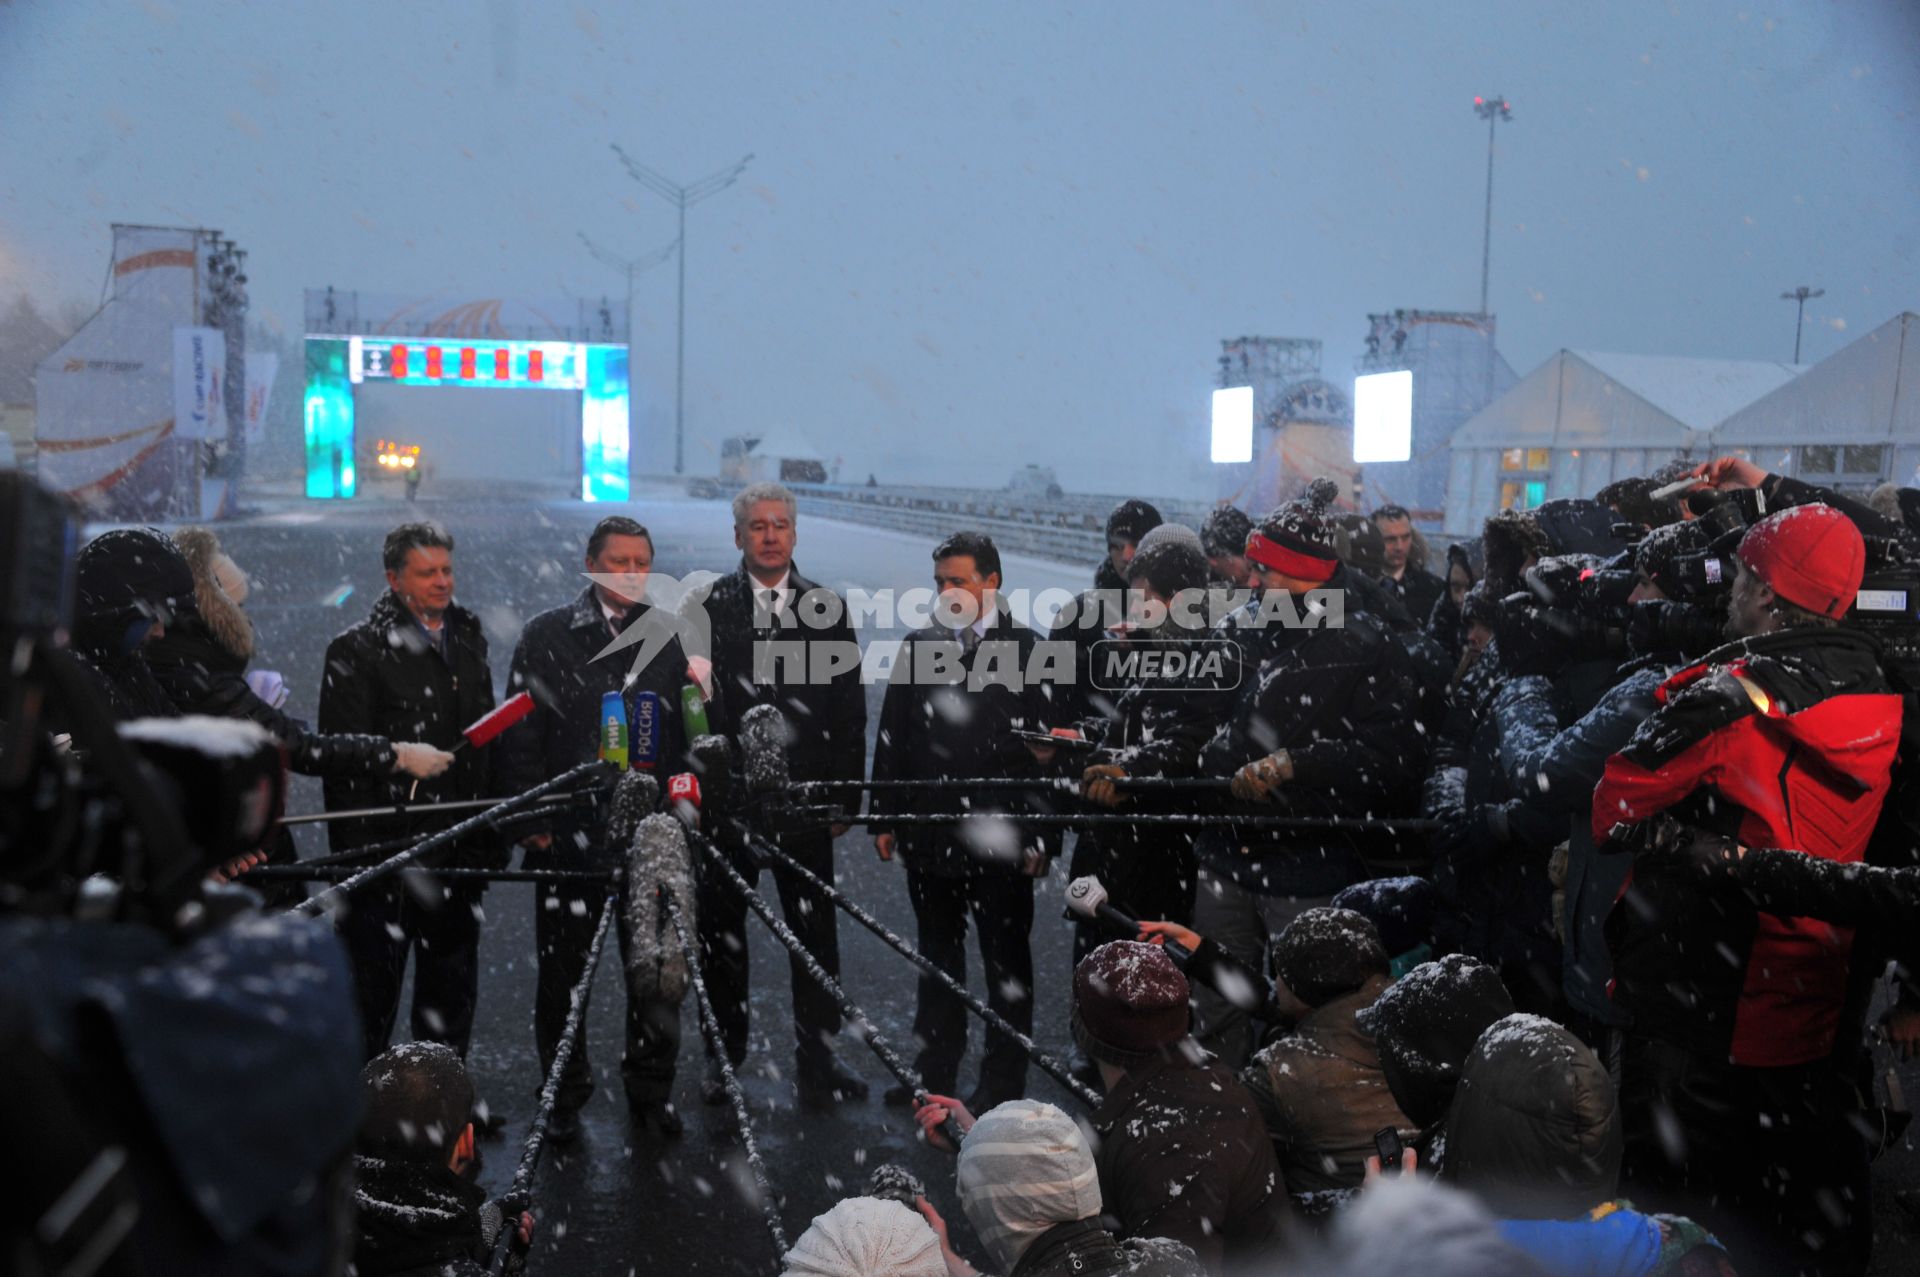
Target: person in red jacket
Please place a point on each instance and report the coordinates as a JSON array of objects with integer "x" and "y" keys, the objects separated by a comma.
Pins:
[{"x": 1784, "y": 738}]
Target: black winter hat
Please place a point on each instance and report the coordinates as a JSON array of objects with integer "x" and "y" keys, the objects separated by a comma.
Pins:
[
  {"x": 1401, "y": 910},
  {"x": 1325, "y": 953},
  {"x": 1225, "y": 531},
  {"x": 1297, "y": 537},
  {"x": 128, "y": 571},
  {"x": 1535, "y": 1129},
  {"x": 1425, "y": 1025},
  {"x": 1131, "y": 520},
  {"x": 1359, "y": 544}
]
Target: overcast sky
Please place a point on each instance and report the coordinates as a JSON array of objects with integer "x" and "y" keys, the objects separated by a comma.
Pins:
[{"x": 976, "y": 234}]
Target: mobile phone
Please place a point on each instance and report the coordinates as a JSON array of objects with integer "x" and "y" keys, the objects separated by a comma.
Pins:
[{"x": 1386, "y": 1144}]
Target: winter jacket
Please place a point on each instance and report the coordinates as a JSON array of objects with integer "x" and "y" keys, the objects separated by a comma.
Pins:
[
  {"x": 1324, "y": 1096},
  {"x": 1615, "y": 1240},
  {"x": 385, "y": 677},
  {"x": 826, "y": 719},
  {"x": 1783, "y": 740},
  {"x": 1429, "y": 663},
  {"x": 1340, "y": 701},
  {"x": 1182, "y": 1153},
  {"x": 419, "y": 1219},
  {"x": 934, "y": 730},
  {"x": 197, "y": 663},
  {"x": 1084, "y": 1249},
  {"x": 554, "y": 660},
  {"x": 1557, "y": 771}
]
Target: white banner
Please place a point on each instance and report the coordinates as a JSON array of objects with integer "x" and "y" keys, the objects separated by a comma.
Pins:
[
  {"x": 199, "y": 369},
  {"x": 262, "y": 368}
]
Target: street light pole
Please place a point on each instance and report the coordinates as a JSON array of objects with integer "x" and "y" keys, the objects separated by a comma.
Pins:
[
  {"x": 1492, "y": 109},
  {"x": 1799, "y": 297},
  {"x": 682, "y": 197}
]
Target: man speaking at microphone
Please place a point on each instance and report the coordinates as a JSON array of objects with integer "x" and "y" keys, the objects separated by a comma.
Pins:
[
  {"x": 762, "y": 615},
  {"x": 415, "y": 669},
  {"x": 555, "y": 661}
]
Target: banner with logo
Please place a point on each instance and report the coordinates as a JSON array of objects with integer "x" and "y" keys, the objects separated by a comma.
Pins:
[
  {"x": 199, "y": 369},
  {"x": 262, "y": 368}
]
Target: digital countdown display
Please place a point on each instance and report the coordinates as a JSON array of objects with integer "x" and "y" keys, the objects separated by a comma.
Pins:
[{"x": 515, "y": 365}]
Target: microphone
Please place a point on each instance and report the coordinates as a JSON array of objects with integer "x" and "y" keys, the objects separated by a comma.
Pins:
[
  {"x": 657, "y": 858},
  {"x": 1087, "y": 905},
  {"x": 763, "y": 749},
  {"x": 646, "y": 730},
  {"x": 683, "y": 798},
  {"x": 496, "y": 720},
  {"x": 613, "y": 729},
  {"x": 634, "y": 799}
]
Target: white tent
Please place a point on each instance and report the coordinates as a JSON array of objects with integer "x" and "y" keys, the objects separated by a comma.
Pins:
[
  {"x": 1853, "y": 420},
  {"x": 1584, "y": 418}
]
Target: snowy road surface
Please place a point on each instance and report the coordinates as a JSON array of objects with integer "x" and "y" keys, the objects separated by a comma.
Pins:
[{"x": 611, "y": 1204}]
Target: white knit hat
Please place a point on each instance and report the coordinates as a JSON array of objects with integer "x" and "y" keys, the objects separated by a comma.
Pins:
[
  {"x": 866, "y": 1237},
  {"x": 1024, "y": 1168}
]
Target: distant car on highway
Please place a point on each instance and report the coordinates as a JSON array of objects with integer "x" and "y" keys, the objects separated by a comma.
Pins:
[{"x": 1036, "y": 481}]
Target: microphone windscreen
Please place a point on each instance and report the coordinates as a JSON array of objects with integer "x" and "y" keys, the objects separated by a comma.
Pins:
[
  {"x": 499, "y": 719},
  {"x": 711, "y": 758},
  {"x": 657, "y": 859},
  {"x": 763, "y": 749},
  {"x": 1085, "y": 896},
  {"x": 892, "y": 1182},
  {"x": 634, "y": 799}
]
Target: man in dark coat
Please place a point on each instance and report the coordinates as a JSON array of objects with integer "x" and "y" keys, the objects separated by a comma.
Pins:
[
  {"x": 415, "y": 669},
  {"x": 1321, "y": 725},
  {"x": 956, "y": 723},
  {"x": 1786, "y": 739},
  {"x": 1405, "y": 571},
  {"x": 559, "y": 660},
  {"x": 760, "y": 616}
]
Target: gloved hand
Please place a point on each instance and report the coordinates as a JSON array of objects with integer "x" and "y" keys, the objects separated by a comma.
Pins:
[
  {"x": 1096, "y": 783},
  {"x": 268, "y": 686},
  {"x": 422, "y": 762}
]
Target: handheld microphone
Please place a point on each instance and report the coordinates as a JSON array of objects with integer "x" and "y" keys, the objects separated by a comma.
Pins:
[
  {"x": 646, "y": 731},
  {"x": 683, "y": 798},
  {"x": 711, "y": 758},
  {"x": 1087, "y": 904},
  {"x": 496, "y": 720},
  {"x": 657, "y": 858}
]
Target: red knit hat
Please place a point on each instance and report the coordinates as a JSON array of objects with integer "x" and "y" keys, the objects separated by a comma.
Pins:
[
  {"x": 1810, "y": 555},
  {"x": 1129, "y": 1002}
]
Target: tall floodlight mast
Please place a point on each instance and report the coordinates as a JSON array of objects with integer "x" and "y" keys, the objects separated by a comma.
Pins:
[
  {"x": 1800, "y": 296},
  {"x": 682, "y": 198},
  {"x": 1493, "y": 109}
]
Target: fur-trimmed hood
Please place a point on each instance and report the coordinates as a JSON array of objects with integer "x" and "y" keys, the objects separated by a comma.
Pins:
[{"x": 226, "y": 623}]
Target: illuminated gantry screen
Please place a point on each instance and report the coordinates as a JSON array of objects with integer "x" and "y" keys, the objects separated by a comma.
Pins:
[{"x": 596, "y": 371}]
